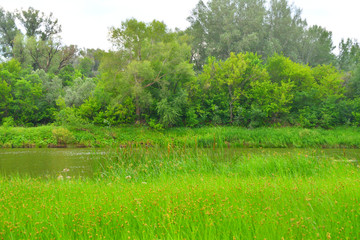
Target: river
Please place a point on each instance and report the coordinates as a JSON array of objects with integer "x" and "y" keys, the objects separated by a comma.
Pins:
[{"x": 73, "y": 162}]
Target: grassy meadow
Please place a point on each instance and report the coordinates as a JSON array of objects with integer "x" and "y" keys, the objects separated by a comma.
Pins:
[{"x": 189, "y": 193}]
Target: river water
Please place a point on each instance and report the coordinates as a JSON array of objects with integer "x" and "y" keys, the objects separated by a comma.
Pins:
[
  {"x": 79, "y": 161},
  {"x": 48, "y": 161}
]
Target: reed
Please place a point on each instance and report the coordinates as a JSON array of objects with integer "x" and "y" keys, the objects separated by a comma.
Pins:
[{"x": 190, "y": 206}]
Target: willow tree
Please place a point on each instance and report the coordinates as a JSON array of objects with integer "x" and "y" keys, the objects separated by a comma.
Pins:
[{"x": 155, "y": 63}]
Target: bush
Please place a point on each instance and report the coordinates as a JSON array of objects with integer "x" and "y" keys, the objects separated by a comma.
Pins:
[{"x": 62, "y": 135}]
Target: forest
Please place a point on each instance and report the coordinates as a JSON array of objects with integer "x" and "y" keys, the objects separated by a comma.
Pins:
[{"x": 241, "y": 63}]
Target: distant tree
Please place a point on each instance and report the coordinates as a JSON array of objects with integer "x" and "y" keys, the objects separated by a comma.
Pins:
[
  {"x": 317, "y": 47},
  {"x": 349, "y": 54},
  {"x": 37, "y": 24},
  {"x": 49, "y": 55},
  {"x": 223, "y": 26},
  {"x": 8, "y": 32},
  {"x": 285, "y": 29}
]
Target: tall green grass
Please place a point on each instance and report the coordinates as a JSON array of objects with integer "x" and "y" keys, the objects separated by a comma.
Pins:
[
  {"x": 208, "y": 137},
  {"x": 181, "y": 193},
  {"x": 186, "y": 207},
  {"x": 146, "y": 163}
]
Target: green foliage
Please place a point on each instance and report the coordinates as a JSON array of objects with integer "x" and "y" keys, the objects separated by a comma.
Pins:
[
  {"x": 81, "y": 90},
  {"x": 8, "y": 122},
  {"x": 271, "y": 98},
  {"x": 353, "y": 85},
  {"x": 349, "y": 54},
  {"x": 8, "y": 32},
  {"x": 149, "y": 78},
  {"x": 62, "y": 135},
  {"x": 219, "y": 27},
  {"x": 156, "y": 126},
  {"x": 86, "y": 66},
  {"x": 281, "y": 68},
  {"x": 155, "y": 69}
]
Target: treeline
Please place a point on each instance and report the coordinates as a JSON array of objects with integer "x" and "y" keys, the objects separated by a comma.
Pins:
[{"x": 240, "y": 63}]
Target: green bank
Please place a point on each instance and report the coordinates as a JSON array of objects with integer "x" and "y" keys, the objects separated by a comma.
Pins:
[{"x": 209, "y": 137}]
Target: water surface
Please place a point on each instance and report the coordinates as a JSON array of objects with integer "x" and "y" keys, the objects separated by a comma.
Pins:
[
  {"x": 80, "y": 162},
  {"x": 48, "y": 161}
]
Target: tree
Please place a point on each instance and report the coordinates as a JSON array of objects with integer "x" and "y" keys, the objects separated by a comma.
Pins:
[
  {"x": 79, "y": 92},
  {"x": 154, "y": 64},
  {"x": 271, "y": 98},
  {"x": 130, "y": 37},
  {"x": 282, "y": 69},
  {"x": 5, "y": 98},
  {"x": 232, "y": 78},
  {"x": 37, "y": 24},
  {"x": 349, "y": 54},
  {"x": 8, "y": 31},
  {"x": 223, "y": 26},
  {"x": 49, "y": 55},
  {"x": 285, "y": 29},
  {"x": 317, "y": 47}
]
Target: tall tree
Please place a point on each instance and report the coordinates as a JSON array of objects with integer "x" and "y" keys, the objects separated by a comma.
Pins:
[
  {"x": 156, "y": 67},
  {"x": 224, "y": 26},
  {"x": 317, "y": 47},
  {"x": 50, "y": 55},
  {"x": 349, "y": 54},
  {"x": 8, "y": 31},
  {"x": 37, "y": 24},
  {"x": 285, "y": 29}
]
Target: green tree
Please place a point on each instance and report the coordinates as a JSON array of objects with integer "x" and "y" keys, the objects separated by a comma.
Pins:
[
  {"x": 231, "y": 79},
  {"x": 8, "y": 31},
  {"x": 223, "y": 26},
  {"x": 37, "y": 24},
  {"x": 80, "y": 91},
  {"x": 285, "y": 29},
  {"x": 153, "y": 65},
  {"x": 271, "y": 98},
  {"x": 317, "y": 47},
  {"x": 349, "y": 55},
  {"x": 49, "y": 55}
]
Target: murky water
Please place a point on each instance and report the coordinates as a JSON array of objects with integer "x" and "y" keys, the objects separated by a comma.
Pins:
[
  {"x": 42, "y": 162},
  {"x": 80, "y": 162}
]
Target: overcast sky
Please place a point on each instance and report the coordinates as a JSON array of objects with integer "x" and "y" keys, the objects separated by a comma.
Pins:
[{"x": 86, "y": 22}]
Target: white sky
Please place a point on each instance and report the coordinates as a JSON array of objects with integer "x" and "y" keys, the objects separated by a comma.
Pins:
[{"x": 86, "y": 22}]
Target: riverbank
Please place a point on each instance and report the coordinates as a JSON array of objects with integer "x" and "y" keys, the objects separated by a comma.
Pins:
[
  {"x": 209, "y": 137},
  {"x": 178, "y": 193}
]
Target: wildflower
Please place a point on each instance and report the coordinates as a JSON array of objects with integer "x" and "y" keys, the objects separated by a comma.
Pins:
[
  {"x": 66, "y": 170},
  {"x": 68, "y": 177},
  {"x": 128, "y": 177},
  {"x": 60, "y": 177},
  {"x": 144, "y": 182}
]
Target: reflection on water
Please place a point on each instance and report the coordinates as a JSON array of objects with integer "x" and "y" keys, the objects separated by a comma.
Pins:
[{"x": 79, "y": 162}]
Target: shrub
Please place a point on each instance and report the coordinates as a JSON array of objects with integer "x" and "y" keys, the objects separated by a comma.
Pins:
[{"x": 62, "y": 135}]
